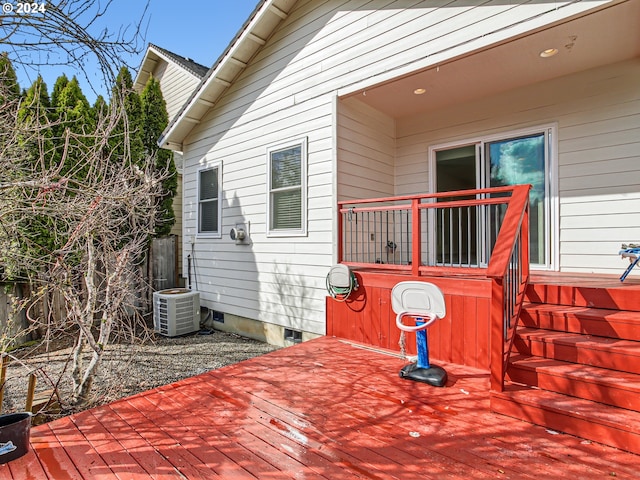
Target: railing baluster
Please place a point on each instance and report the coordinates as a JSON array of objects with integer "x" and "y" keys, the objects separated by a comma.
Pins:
[
  {"x": 451, "y": 237},
  {"x": 470, "y": 235},
  {"x": 459, "y": 236},
  {"x": 394, "y": 236},
  {"x": 443, "y": 243},
  {"x": 351, "y": 244},
  {"x": 400, "y": 238},
  {"x": 385, "y": 238}
]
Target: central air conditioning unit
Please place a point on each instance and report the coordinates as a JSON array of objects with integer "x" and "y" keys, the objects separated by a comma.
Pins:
[{"x": 176, "y": 311}]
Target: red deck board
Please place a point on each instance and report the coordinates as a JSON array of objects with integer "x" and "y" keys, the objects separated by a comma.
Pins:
[
  {"x": 51, "y": 454},
  {"x": 190, "y": 425},
  {"x": 81, "y": 453},
  {"x": 323, "y": 409},
  {"x": 117, "y": 446},
  {"x": 599, "y": 291}
]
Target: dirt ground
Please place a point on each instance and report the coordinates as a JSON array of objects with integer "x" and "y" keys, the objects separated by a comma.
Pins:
[{"x": 126, "y": 369}]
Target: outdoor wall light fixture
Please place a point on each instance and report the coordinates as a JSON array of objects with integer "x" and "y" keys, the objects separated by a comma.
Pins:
[
  {"x": 549, "y": 52},
  {"x": 420, "y": 91}
]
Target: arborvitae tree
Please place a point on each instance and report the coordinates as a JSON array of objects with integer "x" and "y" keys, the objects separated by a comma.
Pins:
[
  {"x": 71, "y": 102},
  {"x": 100, "y": 107},
  {"x": 131, "y": 120},
  {"x": 72, "y": 108},
  {"x": 36, "y": 103},
  {"x": 10, "y": 90},
  {"x": 34, "y": 117},
  {"x": 154, "y": 120},
  {"x": 61, "y": 82},
  {"x": 75, "y": 125},
  {"x": 35, "y": 112},
  {"x": 9, "y": 97}
]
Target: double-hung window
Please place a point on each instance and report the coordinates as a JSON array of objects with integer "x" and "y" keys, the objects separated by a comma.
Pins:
[
  {"x": 287, "y": 189},
  {"x": 209, "y": 201}
]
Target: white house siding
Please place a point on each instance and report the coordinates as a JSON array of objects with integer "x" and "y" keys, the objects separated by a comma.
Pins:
[
  {"x": 366, "y": 152},
  {"x": 598, "y": 118},
  {"x": 177, "y": 85},
  {"x": 287, "y": 92},
  {"x": 275, "y": 280}
]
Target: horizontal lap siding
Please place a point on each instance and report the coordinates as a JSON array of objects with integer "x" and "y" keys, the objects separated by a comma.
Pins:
[
  {"x": 599, "y": 154},
  {"x": 275, "y": 280},
  {"x": 288, "y": 92},
  {"x": 366, "y": 149},
  {"x": 177, "y": 86}
]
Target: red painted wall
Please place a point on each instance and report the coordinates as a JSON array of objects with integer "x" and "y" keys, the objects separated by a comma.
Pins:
[{"x": 461, "y": 337}]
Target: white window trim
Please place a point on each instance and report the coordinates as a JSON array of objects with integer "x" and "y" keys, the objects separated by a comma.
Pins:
[
  {"x": 552, "y": 195},
  {"x": 302, "y": 232},
  {"x": 218, "y": 234}
]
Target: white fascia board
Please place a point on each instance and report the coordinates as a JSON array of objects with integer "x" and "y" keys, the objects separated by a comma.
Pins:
[
  {"x": 170, "y": 136},
  {"x": 144, "y": 68}
]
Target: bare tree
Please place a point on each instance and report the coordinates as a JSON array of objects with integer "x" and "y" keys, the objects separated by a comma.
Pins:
[
  {"x": 93, "y": 208},
  {"x": 69, "y": 33},
  {"x": 100, "y": 225}
]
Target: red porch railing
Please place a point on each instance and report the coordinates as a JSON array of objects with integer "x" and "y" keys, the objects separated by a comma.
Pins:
[{"x": 481, "y": 232}]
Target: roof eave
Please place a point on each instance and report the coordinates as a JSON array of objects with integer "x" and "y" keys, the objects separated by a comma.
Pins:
[
  {"x": 252, "y": 36},
  {"x": 148, "y": 65}
]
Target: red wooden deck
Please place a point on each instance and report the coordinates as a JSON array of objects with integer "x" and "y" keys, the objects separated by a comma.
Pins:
[{"x": 321, "y": 409}]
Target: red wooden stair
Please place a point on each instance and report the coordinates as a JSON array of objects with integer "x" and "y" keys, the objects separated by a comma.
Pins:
[{"x": 575, "y": 362}]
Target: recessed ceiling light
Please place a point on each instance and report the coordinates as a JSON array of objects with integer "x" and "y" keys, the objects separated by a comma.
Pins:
[
  {"x": 420, "y": 91},
  {"x": 549, "y": 52}
]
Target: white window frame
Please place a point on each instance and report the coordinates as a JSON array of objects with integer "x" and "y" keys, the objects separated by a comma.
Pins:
[
  {"x": 218, "y": 233},
  {"x": 302, "y": 231}
]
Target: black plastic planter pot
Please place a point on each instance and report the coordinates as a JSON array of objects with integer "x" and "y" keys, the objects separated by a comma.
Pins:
[{"x": 14, "y": 435}]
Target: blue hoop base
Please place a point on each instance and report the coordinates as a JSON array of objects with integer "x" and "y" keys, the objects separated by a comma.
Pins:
[{"x": 433, "y": 375}]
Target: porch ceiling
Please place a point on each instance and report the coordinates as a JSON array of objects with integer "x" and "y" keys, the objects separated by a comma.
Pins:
[{"x": 599, "y": 38}]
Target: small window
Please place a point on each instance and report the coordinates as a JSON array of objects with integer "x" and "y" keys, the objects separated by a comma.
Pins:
[
  {"x": 287, "y": 201},
  {"x": 209, "y": 204}
]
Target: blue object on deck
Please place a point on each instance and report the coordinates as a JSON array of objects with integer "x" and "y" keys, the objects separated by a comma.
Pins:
[
  {"x": 419, "y": 300},
  {"x": 422, "y": 346},
  {"x": 633, "y": 254}
]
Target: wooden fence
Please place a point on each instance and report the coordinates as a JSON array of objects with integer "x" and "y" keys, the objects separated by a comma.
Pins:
[
  {"x": 12, "y": 322},
  {"x": 162, "y": 273}
]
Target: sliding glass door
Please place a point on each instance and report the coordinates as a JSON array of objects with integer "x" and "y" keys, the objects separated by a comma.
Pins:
[
  {"x": 512, "y": 159},
  {"x": 518, "y": 161},
  {"x": 457, "y": 170}
]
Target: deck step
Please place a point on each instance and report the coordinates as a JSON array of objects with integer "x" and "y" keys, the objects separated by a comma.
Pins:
[
  {"x": 594, "y": 421},
  {"x": 575, "y": 362},
  {"x": 601, "y": 385},
  {"x": 589, "y": 321},
  {"x": 612, "y": 353},
  {"x": 613, "y": 295}
]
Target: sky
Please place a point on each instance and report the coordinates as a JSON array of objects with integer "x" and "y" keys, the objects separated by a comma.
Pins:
[{"x": 198, "y": 30}]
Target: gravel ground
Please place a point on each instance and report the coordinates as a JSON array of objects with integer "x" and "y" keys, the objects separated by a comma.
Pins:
[{"x": 128, "y": 369}]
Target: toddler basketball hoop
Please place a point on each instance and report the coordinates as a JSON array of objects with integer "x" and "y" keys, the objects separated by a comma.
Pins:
[{"x": 424, "y": 303}]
